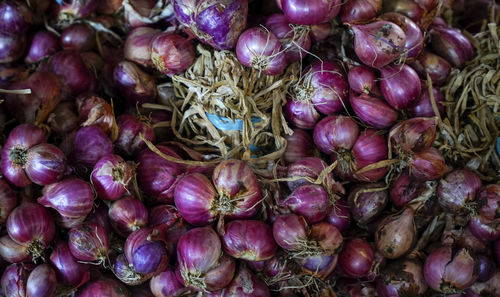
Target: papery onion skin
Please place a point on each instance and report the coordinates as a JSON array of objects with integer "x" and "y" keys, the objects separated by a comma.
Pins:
[
  {"x": 437, "y": 68},
  {"x": 366, "y": 201},
  {"x": 249, "y": 240},
  {"x": 70, "y": 272},
  {"x": 299, "y": 146},
  {"x": 41, "y": 282},
  {"x": 165, "y": 284},
  {"x": 78, "y": 37},
  {"x": 137, "y": 47},
  {"x": 44, "y": 44},
  {"x": 335, "y": 133},
  {"x": 360, "y": 10},
  {"x": 396, "y": 234},
  {"x": 448, "y": 271},
  {"x": 157, "y": 176},
  {"x": 400, "y": 86},
  {"x": 111, "y": 177},
  {"x": 127, "y": 215},
  {"x": 373, "y": 111},
  {"x": 129, "y": 129},
  {"x": 198, "y": 16},
  {"x": 451, "y": 44},
  {"x": 171, "y": 53},
  {"x": 404, "y": 189},
  {"x": 310, "y": 12},
  {"x": 302, "y": 114},
  {"x": 458, "y": 189},
  {"x": 14, "y": 280},
  {"x": 45, "y": 164},
  {"x": 11, "y": 47},
  {"x": 309, "y": 201},
  {"x": 261, "y": 50},
  {"x": 8, "y": 200},
  {"x": 88, "y": 242},
  {"x": 485, "y": 224},
  {"x": 104, "y": 287},
  {"x": 13, "y": 252},
  {"x": 356, "y": 258},
  {"x": 372, "y": 46},
  {"x": 94, "y": 110}
]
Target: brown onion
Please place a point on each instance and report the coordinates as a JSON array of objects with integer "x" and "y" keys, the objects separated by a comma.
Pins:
[{"x": 396, "y": 234}]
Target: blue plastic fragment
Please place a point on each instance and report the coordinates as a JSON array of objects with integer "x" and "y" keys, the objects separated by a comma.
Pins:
[
  {"x": 498, "y": 146},
  {"x": 223, "y": 123}
]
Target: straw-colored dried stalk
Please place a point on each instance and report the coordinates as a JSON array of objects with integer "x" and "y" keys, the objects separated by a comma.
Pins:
[
  {"x": 472, "y": 124},
  {"x": 217, "y": 84}
]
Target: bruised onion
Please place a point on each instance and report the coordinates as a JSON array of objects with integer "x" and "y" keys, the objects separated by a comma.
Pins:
[
  {"x": 400, "y": 86},
  {"x": 129, "y": 130},
  {"x": 198, "y": 16},
  {"x": 134, "y": 84},
  {"x": 429, "y": 63},
  {"x": 310, "y": 12},
  {"x": 137, "y": 47},
  {"x": 249, "y": 240},
  {"x": 11, "y": 47},
  {"x": 373, "y": 111},
  {"x": 41, "y": 282},
  {"x": 171, "y": 53},
  {"x": 146, "y": 251},
  {"x": 201, "y": 263},
  {"x": 299, "y": 146},
  {"x": 14, "y": 280},
  {"x": 111, "y": 177},
  {"x": 401, "y": 277},
  {"x": 89, "y": 242},
  {"x": 309, "y": 201},
  {"x": 166, "y": 284},
  {"x": 378, "y": 43},
  {"x": 128, "y": 215},
  {"x": 78, "y": 37},
  {"x": 356, "y": 258},
  {"x": 451, "y": 44},
  {"x": 404, "y": 189},
  {"x": 69, "y": 271},
  {"x": 367, "y": 201},
  {"x": 414, "y": 43},
  {"x": 396, "y": 234},
  {"x": 457, "y": 190},
  {"x": 449, "y": 271},
  {"x": 360, "y": 10},
  {"x": 43, "y": 45}
]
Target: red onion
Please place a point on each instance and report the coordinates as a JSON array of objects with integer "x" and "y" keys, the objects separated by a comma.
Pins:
[
  {"x": 143, "y": 12},
  {"x": 198, "y": 16},
  {"x": 10, "y": 73},
  {"x": 309, "y": 201},
  {"x": 75, "y": 9},
  {"x": 15, "y": 17},
  {"x": 378, "y": 43},
  {"x": 396, "y": 234},
  {"x": 373, "y": 111},
  {"x": 401, "y": 277},
  {"x": 45, "y": 164},
  {"x": 295, "y": 39},
  {"x": 485, "y": 225},
  {"x": 129, "y": 129},
  {"x": 356, "y": 258},
  {"x": 470, "y": 242},
  {"x": 310, "y": 12},
  {"x": 109, "y": 7},
  {"x": 44, "y": 44},
  {"x": 363, "y": 80},
  {"x": 400, "y": 86},
  {"x": 324, "y": 85},
  {"x": 201, "y": 263},
  {"x": 14, "y": 280},
  {"x": 246, "y": 284},
  {"x": 30, "y": 225},
  {"x": 366, "y": 201},
  {"x": 89, "y": 145},
  {"x": 78, "y": 37},
  {"x": 261, "y": 49},
  {"x": 320, "y": 32},
  {"x": 128, "y": 215},
  {"x": 437, "y": 67},
  {"x": 407, "y": 7},
  {"x": 413, "y": 135},
  {"x": 249, "y": 240},
  {"x": 172, "y": 53},
  {"x": 111, "y": 177},
  {"x": 414, "y": 38},
  {"x": 71, "y": 197},
  {"x": 75, "y": 78},
  {"x": 99, "y": 215},
  {"x": 104, "y": 287},
  {"x": 311, "y": 168},
  {"x": 137, "y": 47},
  {"x": 165, "y": 284},
  {"x": 335, "y": 133},
  {"x": 13, "y": 252},
  {"x": 428, "y": 165},
  {"x": 339, "y": 216},
  {"x": 35, "y": 107},
  {"x": 423, "y": 107},
  {"x": 302, "y": 114},
  {"x": 96, "y": 111},
  {"x": 145, "y": 252},
  {"x": 486, "y": 268},
  {"x": 14, "y": 152},
  {"x": 8, "y": 200},
  {"x": 449, "y": 271},
  {"x": 320, "y": 266},
  {"x": 299, "y": 146},
  {"x": 42, "y": 282},
  {"x": 360, "y": 10},
  {"x": 457, "y": 190},
  {"x": 125, "y": 272},
  {"x": 11, "y": 47},
  {"x": 404, "y": 189},
  {"x": 134, "y": 84},
  {"x": 451, "y": 44},
  {"x": 69, "y": 271},
  {"x": 89, "y": 242},
  {"x": 156, "y": 176}
]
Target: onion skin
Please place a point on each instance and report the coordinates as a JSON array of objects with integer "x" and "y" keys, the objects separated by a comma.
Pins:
[
  {"x": 129, "y": 129},
  {"x": 14, "y": 280},
  {"x": 360, "y": 10},
  {"x": 366, "y": 206},
  {"x": 88, "y": 242},
  {"x": 370, "y": 148},
  {"x": 100, "y": 217},
  {"x": 486, "y": 268},
  {"x": 437, "y": 67},
  {"x": 156, "y": 176},
  {"x": 172, "y": 53},
  {"x": 334, "y": 133},
  {"x": 400, "y": 86},
  {"x": 373, "y": 111},
  {"x": 447, "y": 271},
  {"x": 69, "y": 271},
  {"x": 145, "y": 250},
  {"x": 401, "y": 277},
  {"x": 104, "y": 287},
  {"x": 137, "y": 47},
  {"x": 78, "y": 37},
  {"x": 111, "y": 177},
  {"x": 41, "y": 282},
  {"x": 458, "y": 189},
  {"x": 75, "y": 9},
  {"x": 356, "y": 258},
  {"x": 485, "y": 225},
  {"x": 11, "y": 47},
  {"x": 43, "y": 45},
  {"x": 371, "y": 46},
  {"x": 246, "y": 284},
  {"x": 8, "y": 200},
  {"x": 93, "y": 110},
  {"x": 15, "y": 17},
  {"x": 302, "y": 114},
  {"x": 198, "y": 16},
  {"x": 248, "y": 240},
  {"x": 309, "y": 201},
  {"x": 165, "y": 284},
  {"x": 310, "y": 12},
  {"x": 407, "y": 7},
  {"x": 128, "y": 215},
  {"x": 451, "y": 44},
  {"x": 13, "y": 252},
  {"x": 396, "y": 234}
]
